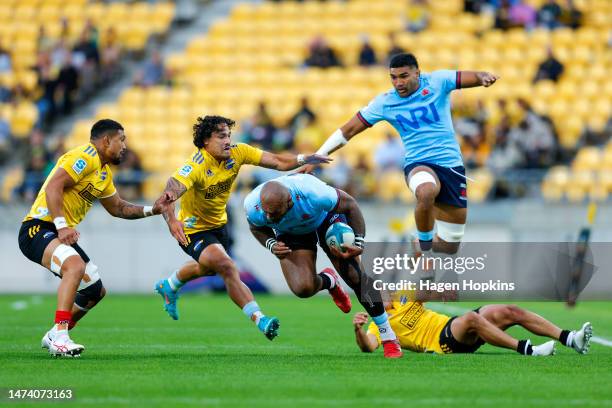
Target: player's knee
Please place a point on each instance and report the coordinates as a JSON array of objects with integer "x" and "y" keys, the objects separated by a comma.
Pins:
[
  {"x": 304, "y": 290},
  {"x": 472, "y": 319},
  {"x": 89, "y": 296},
  {"x": 73, "y": 269},
  {"x": 426, "y": 194},
  {"x": 66, "y": 262},
  {"x": 514, "y": 314},
  {"x": 226, "y": 268}
]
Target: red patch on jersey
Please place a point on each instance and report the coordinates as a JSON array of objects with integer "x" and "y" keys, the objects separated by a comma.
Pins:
[
  {"x": 305, "y": 217},
  {"x": 297, "y": 197},
  {"x": 425, "y": 92},
  {"x": 463, "y": 192}
]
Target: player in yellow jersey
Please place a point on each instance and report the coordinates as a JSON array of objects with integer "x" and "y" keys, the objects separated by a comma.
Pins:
[
  {"x": 48, "y": 236},
  {"x": 422, "y": 330},
  {"x": 204, "y": 183}
]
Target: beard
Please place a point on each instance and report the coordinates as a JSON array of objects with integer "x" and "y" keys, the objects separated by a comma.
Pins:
[{"x": 117, "y": 160}]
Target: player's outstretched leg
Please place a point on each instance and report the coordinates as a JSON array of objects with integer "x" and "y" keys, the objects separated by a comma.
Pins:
[{"x": 467, "y": 329}]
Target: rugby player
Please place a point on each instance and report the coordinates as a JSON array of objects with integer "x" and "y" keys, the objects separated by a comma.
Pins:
[
  {"x": 289, "y": 215},
  {"x": 422, "y": 330},
  {"x": 204, "y": 183},
  {"x": 48, "y": 235},
  {"x": 419, "y": 109}
]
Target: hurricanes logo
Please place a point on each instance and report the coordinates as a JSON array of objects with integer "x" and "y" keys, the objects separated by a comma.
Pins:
[
  {"x": 219, "y": 188},
  {"x": 33, "y": 230},
  {"x": 90, "y": 193}
]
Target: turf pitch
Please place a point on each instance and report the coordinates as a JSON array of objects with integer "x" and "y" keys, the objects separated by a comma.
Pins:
[{"x": 213, "y": 356}]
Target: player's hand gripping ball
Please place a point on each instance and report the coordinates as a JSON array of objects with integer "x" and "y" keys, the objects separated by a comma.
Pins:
[{"x": 339, "y": 233}]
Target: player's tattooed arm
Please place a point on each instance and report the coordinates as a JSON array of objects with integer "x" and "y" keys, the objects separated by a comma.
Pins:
[
  {"x": 173, "y": 191},
  {"x": 470, "y": 79},
  {"x": 118, "y": 207}
]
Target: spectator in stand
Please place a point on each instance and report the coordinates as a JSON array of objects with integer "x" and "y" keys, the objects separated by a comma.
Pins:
[
  {"x": 394, "y": 47},
  {"x": 534, "y": 137},
  {"x": 261, "y": 130},
  {"x": 129, "y": 176},
  {"x": 44, "y": 43},
  {"x": 111, "y": 55},
  {"x": 523, "y": 15},
  {"x": 5, "y": 60},
  {"x": 47, "y": 85},
  {"x": 153, "y": 72},
  {"x": 367, "y": 55},
  {"x": 474, "y": 6},
  {"x": 502, "y": 16},
  {"x": 36, "y": 159},
  {"x": 551, "y": 68},
  {"x": 302, "y": 116},
  {"x": 321, "y": 55},
  {"x": 417, "y": 16},
  {"x": 549, "y": 14},
  {"x": 6, "y": 140},
  {"x": 86, "y": 58},
  {"x": 67, "y": 84},
  {"x": 389, "y": 154},
  {"x": 571, "y": 15}
]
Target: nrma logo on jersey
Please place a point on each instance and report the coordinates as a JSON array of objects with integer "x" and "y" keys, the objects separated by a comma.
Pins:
[{"x": 422, "y": 115}]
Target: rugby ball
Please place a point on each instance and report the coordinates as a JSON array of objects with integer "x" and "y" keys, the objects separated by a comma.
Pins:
[{"x": 339, "y": 233}]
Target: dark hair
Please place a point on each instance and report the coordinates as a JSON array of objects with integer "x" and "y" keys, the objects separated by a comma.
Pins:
[
  {"x": 403, "y": 60},
  {"x": 205, "y": 126},
  {"x": 101, "y": 127}
]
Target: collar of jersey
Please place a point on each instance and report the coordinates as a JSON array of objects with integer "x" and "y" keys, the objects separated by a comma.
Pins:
[
  {"x": 97, "y": 154},
  {"x": 210, "y": 157}
]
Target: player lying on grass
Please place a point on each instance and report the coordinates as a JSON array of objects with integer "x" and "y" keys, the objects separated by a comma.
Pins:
[
  {"x": 422, "y": 330},
  {"x": 204, "y": 182},
  {"x": 48, "y": 236},
  {"x": 289, "y": 215},
  {"x": 419, "y": 108}
]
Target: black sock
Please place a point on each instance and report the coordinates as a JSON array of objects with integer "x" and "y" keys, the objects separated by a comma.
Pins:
[
  {"x": 524, "y": 347},
  {"x": 425, "y": 245},
  {"x": 563, "y": 337},
  {"x": 327, "y": 282}
]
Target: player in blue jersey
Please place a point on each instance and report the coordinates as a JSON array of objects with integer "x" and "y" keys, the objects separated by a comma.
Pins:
[
  {"x": 289, "y": 215},
  {"x": 419, "y": 109}
]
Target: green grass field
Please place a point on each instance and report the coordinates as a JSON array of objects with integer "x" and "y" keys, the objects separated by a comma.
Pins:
[{"x": 137, "y": 356}]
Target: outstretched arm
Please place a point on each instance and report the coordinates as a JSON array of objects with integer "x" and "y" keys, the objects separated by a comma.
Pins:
[
  {"x": 118, "y": 207},
  {"x": 341, "y": 136},
  {"x": 173, "y": 191},
  {"x": 471, "y": 79},
  {"x": 365, "y": 341},
  {"x": 288, "y": 161}
]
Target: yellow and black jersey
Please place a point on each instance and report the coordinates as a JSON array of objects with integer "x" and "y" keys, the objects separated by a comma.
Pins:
[
  {"x": 208, "y": 185},
  {"x": 417, "y": 328},
  {"x": 93, "y": 181}
]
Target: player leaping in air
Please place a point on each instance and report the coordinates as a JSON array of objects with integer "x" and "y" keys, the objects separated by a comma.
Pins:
[
  {"x": 290, "y": 215},
  {"x": 48, "y": 236},
  {"x": 419, "y": 109},
  {"x": 433, "y": 332},
  {"x": 204, "y": 182}
]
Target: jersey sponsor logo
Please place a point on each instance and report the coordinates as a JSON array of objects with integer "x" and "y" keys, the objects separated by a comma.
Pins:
[
  {"x": 229, "y": 164},
  {"x": 79, "y": 166},
  {"x": 198, "y": 245},
  {"x": 422, "y": 114},
  {"x": 90, "y": 193},
  {"x": 219, "y": 188},
  {"x": 412, "y": 315},
  {"x": 185, "y": 170}
]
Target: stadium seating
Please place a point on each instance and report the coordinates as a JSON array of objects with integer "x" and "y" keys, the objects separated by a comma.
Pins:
[
  {"x": 20, "y": 21},
  {"x": 256, "y": 55}
]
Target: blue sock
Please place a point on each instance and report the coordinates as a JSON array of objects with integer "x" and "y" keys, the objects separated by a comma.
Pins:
[
  {"x": 384, "y": 328},
  {"x": 175, "y": 282},
  {"x": 425, "y": 239},
  {"x": 252, "y": 311}
]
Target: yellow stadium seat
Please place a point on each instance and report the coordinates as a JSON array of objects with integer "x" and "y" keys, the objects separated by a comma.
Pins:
[
  {"x": 588, "y": 158},
  {"x": 24, "y": 117}
]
